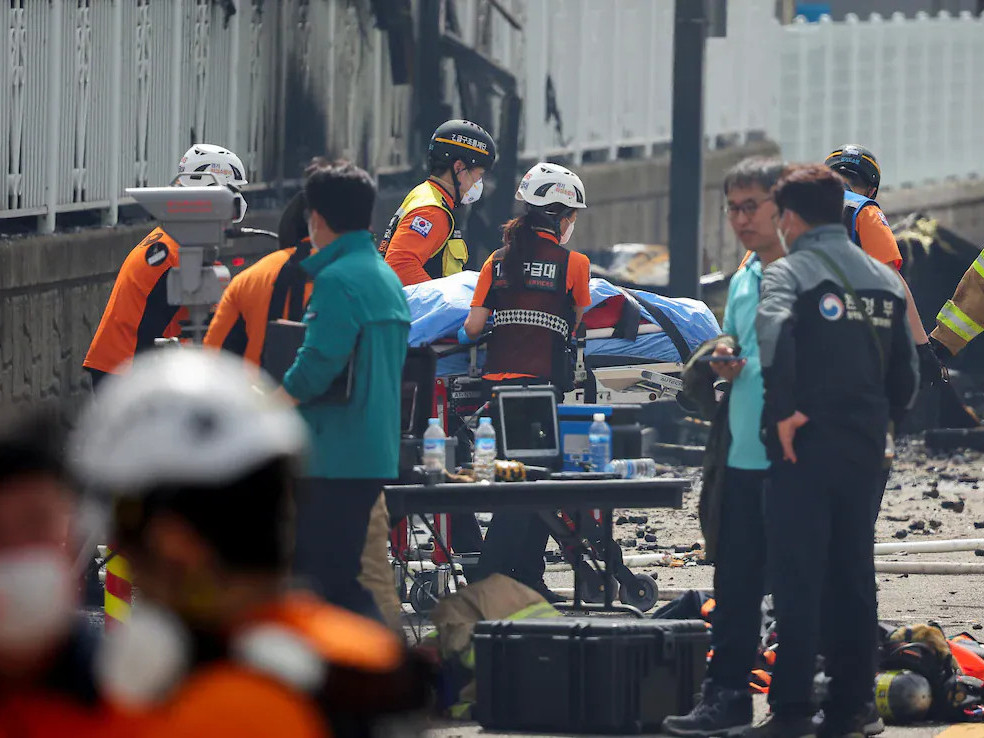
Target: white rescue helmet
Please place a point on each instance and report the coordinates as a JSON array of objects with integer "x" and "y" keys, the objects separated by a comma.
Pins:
[
  {"x": 182, "y": 416},
  {"x": 548, "y": 184},
  {"x": 220, "y": 161}
]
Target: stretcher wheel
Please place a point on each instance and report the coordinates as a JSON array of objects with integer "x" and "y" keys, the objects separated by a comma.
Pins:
[
  {"x": 422, "y": 598},
  {"x": 591, "y": 585},
  {"x": 643, "y": 593}
]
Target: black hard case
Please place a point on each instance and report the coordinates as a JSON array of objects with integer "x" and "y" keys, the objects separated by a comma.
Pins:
[{"x": 587, "y": 675}]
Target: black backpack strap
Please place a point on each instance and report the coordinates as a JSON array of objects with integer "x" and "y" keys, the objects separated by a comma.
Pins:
[
  {"x": 290, "y": 283},
  {"x": 627, "y": 325},
  {"x": 666, "y": 323}
]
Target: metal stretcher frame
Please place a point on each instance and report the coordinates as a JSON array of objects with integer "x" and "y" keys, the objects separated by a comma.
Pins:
[{"x": 545, "y": 497}]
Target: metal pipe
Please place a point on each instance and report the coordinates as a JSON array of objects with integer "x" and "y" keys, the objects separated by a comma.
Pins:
[
  {"x": 928, "y": 567},
  {"x": 233, "y": 140},
  {"x": 54, "y": 88},
  {"x": 949, "y": 546},
  {"x": 112, "y": 215},
  {"x": 177, "y": 56}
]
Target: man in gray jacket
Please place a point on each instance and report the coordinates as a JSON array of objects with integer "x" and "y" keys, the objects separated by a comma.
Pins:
[{"x": 838, "y": 363}]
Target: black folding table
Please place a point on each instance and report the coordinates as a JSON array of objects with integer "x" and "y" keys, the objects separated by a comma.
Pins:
[{"x": 545, "y": 497}]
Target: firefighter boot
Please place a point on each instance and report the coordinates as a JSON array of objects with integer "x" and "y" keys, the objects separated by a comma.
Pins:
[{"x": 720, "y": 712}]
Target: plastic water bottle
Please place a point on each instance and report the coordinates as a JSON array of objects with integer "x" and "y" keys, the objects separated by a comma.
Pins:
[
  {"x": 633, "y": 468},
  {"x": 483, "y": 460},
  {"x": 599, "y": 443},
  {"x": 434, "y": 445}
]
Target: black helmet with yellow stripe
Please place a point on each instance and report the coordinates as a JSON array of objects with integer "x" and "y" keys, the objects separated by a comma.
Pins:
[
  {"x": 857, "y": 162},
  {"x": 462, "y": 140}
]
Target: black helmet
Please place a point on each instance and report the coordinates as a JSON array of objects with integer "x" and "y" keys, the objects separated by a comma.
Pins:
[
  {"x": 857, "y": 161},
  {"x": 462, "y": 140}
]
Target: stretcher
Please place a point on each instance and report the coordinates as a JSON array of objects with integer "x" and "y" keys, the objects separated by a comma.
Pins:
[{"x": 630, "y": 350}]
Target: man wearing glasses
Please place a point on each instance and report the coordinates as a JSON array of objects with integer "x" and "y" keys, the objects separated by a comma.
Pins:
[{"x": 739, "y": 575}]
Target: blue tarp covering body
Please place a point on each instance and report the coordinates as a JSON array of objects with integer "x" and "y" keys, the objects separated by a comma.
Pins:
[{"x": 438, "y": 309}]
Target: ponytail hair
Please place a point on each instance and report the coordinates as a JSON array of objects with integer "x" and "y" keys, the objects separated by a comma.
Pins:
[{"x": 518, "y": 235}]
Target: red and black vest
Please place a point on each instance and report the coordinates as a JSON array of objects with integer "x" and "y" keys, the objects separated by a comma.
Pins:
[{"x": 532, "y": 323}]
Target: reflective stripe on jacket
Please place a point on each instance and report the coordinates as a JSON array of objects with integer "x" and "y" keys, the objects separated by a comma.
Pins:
[{"x": 961, "y": 319}]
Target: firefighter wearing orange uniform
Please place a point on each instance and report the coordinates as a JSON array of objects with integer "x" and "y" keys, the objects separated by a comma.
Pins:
[
  {"x": 868, "y": 227},
  {"x": 217, "y": 645},
  {"x": 422, "y": 241},
  {"x": 535, "y": 290},
  {"x": 138, "y": 311},
  {"x": 274, "y": 287}
]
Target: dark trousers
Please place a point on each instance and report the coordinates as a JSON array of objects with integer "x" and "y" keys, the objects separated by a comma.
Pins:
[
  {"x": 332, "y": 518},
  {"x": 820, "y": 532},
  {"x": 515, "y": 541},
  {"x": 514, "y": 545},
  {"x": 95, "y": 377},
  {"x": 739, "y": 578}
]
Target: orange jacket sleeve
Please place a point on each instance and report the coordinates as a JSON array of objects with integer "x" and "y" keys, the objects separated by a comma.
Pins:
[
  {"x": 877, "y": 238},
  {"x": 578, "y": 278},
  {"x": 418, "y": 237},
  {"x": 227, "y": 314},
  {"x": 484, "y": 285}
]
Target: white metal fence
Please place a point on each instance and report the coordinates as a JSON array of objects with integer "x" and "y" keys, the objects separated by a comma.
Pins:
[
  {"x": 100, "y": 95},
  {"x": 609, "y": 63},
  {"x": 911, "y": 90}
]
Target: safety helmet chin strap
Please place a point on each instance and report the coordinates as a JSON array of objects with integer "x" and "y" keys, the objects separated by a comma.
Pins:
[
  {"x": 544, "y": 219},
  {"x": 457, "y": 184}
]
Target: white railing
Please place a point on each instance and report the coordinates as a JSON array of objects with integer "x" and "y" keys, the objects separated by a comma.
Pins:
[
  {"x": 101, "y": 95},
  {"x": 610, "y": 65},
  {"x": 911, "y": 90}
]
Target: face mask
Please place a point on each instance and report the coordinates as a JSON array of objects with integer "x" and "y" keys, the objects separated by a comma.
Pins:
[
  {"x": 142, "y": 661},
  {"x": 240, "y": 206},
  {"x": 37, "y": 597},
  {"x": 474, "y": 194},
  {"x": 567, "y": 234},
  {"x": 782, "y": 241}
]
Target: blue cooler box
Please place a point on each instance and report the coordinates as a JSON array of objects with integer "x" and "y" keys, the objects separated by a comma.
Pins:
[
  {"x": 574, "y": 421},
  {"x": 630, "y": 440}
]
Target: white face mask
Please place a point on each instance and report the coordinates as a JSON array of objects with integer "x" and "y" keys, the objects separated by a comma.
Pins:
[
  {"x": 144, "y": 659},
  {"x": 242, "y": 207},
  {"x": 567, "y": 234},
  {"x": 474, "y": 193},
  {"x": 37, "y": 597},
  {"x": 782, "y": 241}
]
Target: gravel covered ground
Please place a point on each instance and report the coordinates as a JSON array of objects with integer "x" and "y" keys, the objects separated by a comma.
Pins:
[{"x": 929, "y": 497}]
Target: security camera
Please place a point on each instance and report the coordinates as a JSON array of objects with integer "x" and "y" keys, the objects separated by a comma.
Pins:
[
  {"x": 192, "y": 216},
  {"x": 197, "y": 218}
]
